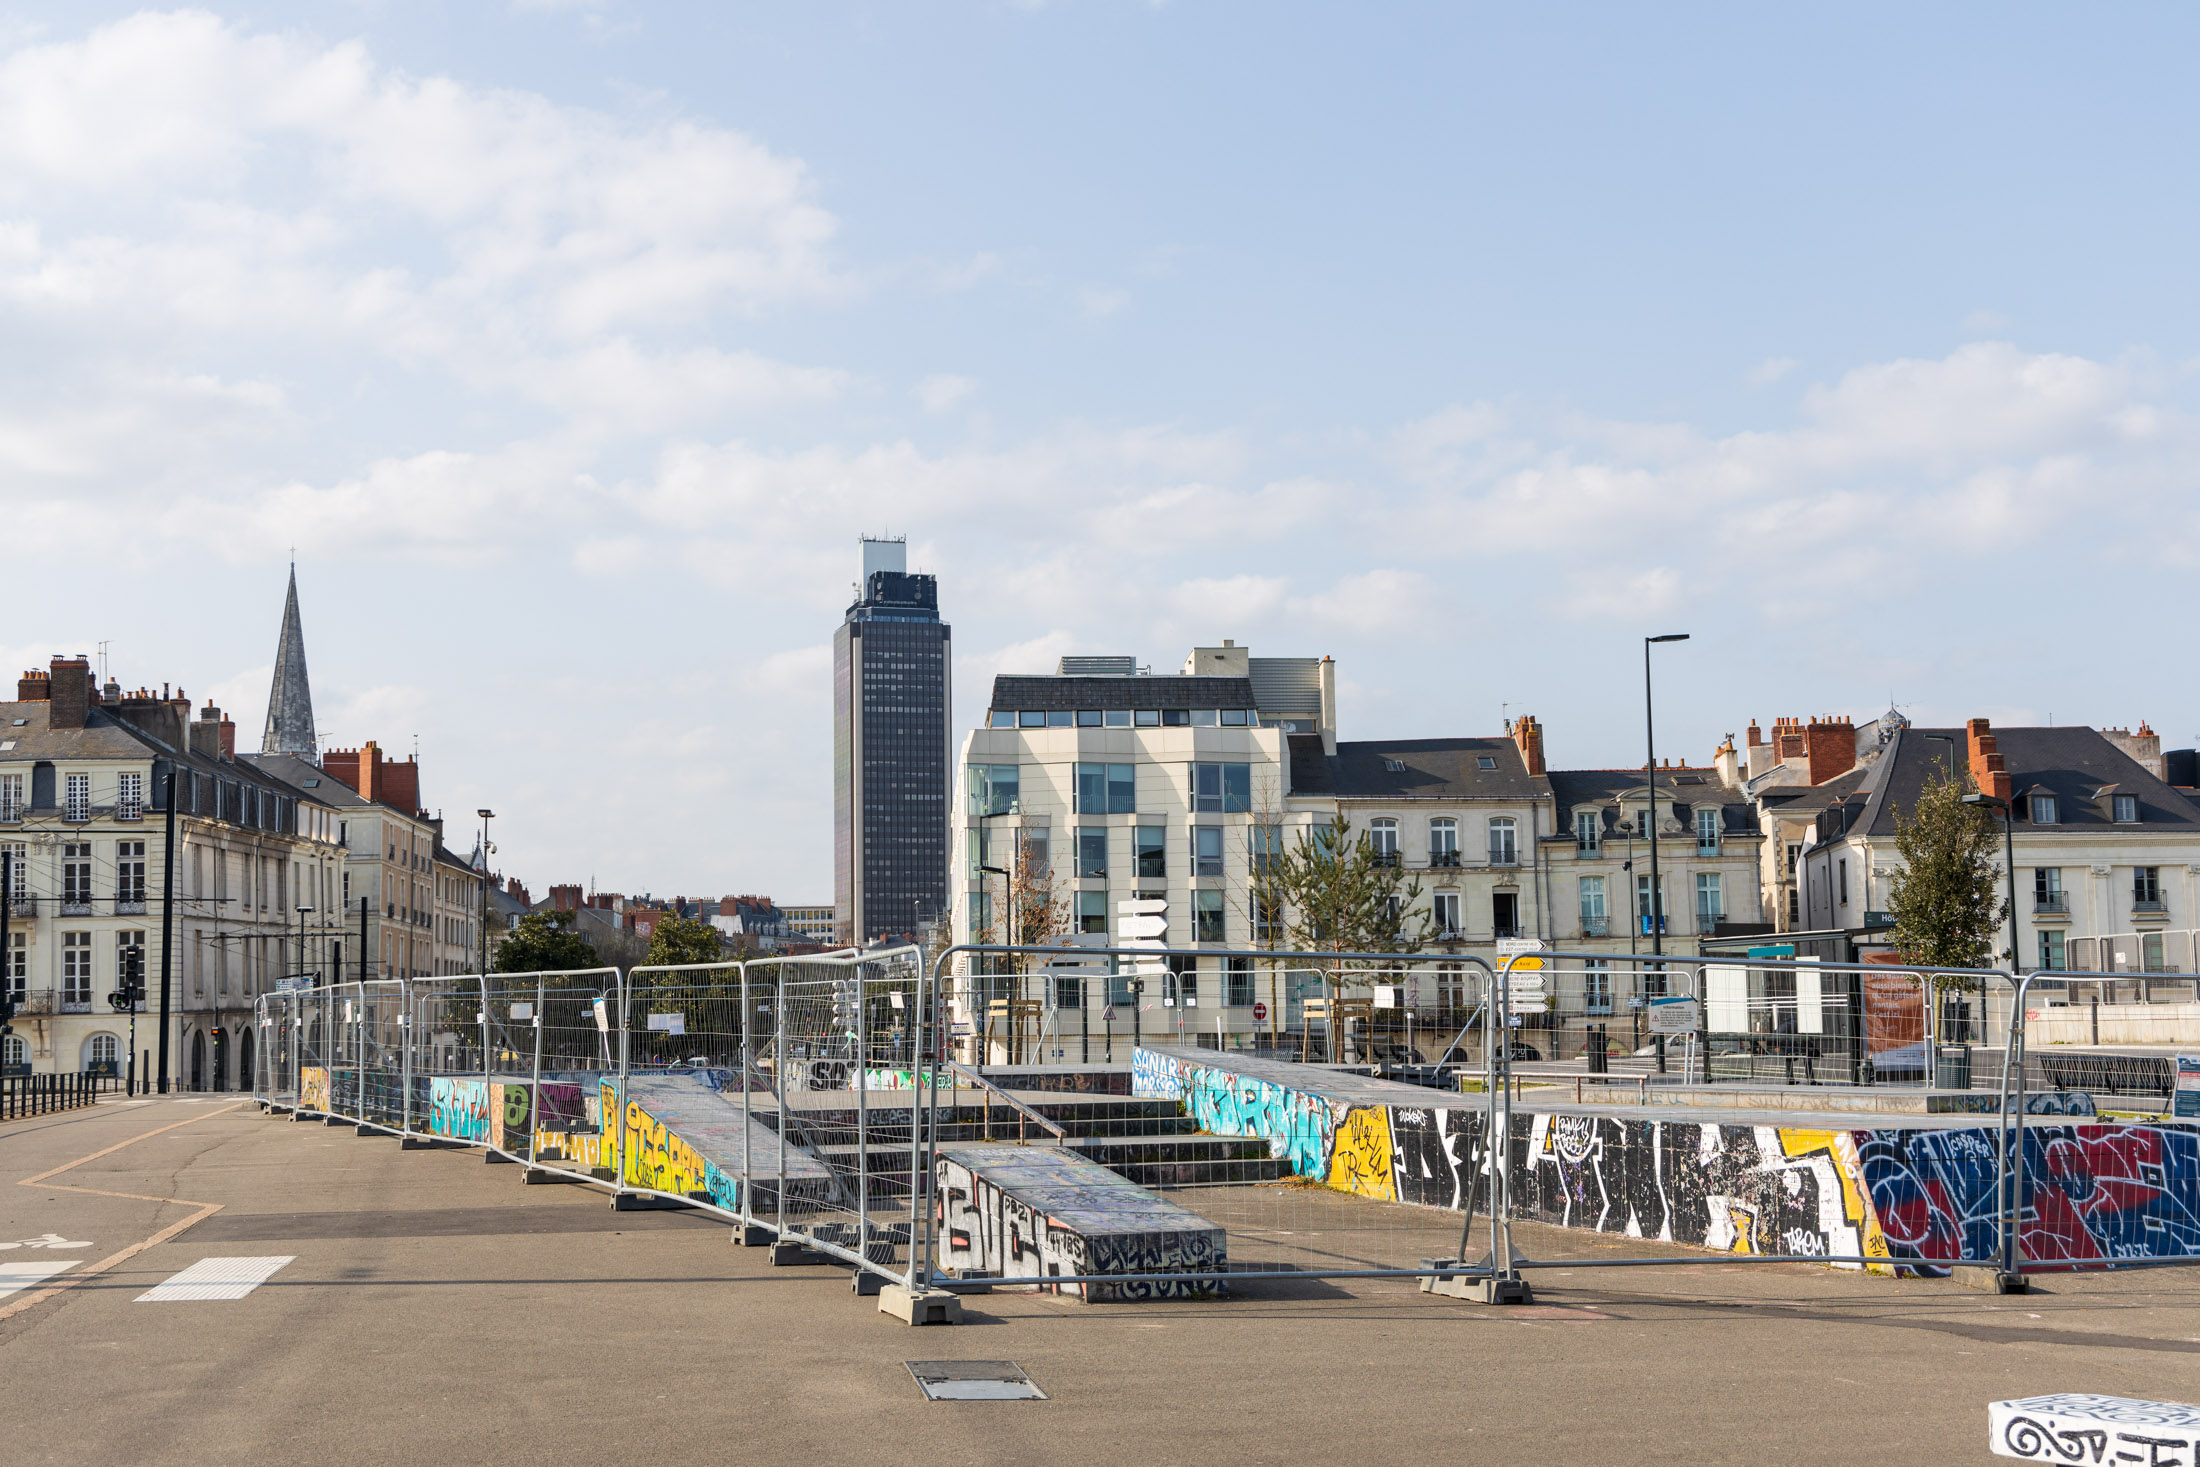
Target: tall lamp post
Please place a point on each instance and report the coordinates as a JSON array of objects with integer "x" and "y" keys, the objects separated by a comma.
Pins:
[
  {"x": 1650, "y": 819},
  {"x": 486, "y": 848},
  {"x": 2009, "y": 863}
]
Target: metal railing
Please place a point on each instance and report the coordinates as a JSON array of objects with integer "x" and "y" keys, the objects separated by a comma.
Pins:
[{"x": 37, "y": 1095}]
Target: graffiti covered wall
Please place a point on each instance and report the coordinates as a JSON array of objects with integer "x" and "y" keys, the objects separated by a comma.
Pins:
[
  {"x": 313, "y": 1089},
  {"x": 2092, "y": 1191}
]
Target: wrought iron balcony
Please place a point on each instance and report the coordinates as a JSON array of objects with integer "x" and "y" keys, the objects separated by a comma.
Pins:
[
  {"x": 1386, "y": 858},
  {"x": 1441, "y": 860},
  {"x": 2050, "y": 906},
  {"x": 1595, "y": 926}
]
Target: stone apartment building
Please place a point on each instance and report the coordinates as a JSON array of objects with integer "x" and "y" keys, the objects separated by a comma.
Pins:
[{"x": 87, "y": 813}]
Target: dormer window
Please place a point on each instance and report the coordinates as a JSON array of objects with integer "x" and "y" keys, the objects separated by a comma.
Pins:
[
  {"x": 1485, "y": 761},
  {"x": 2043, "y": 810},
  {"x": 2124, "y": 809},
  {"x": 1395, "y": 766}
]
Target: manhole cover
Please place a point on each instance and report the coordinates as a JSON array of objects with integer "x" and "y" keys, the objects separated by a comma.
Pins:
[{"x": 974, "y": 1380}]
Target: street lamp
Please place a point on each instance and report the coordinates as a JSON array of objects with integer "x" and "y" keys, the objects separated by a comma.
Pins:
[
  {"x": 486, "y": 848},
  {"x": 1650, "y": 819}
]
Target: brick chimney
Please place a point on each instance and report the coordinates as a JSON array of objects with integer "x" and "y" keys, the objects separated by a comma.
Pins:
[
  {"x": 70, "y": 692},
  {"x": 1988, "y": 771},
  {"x": 369, "y": 783},
  {"x": 514, "y": 888},
  {"x": 35, "y": 686},
  {"x": 1528, "y": 734},
  {"x": 401, "y": 784},
  {"x": 1829, "y": 748},
  {"x": 206, "y": 733},
  {"x": 229, "y": 738},
  {"x": 565, "y": 898},
  {"x": 1756, "y": 737}
]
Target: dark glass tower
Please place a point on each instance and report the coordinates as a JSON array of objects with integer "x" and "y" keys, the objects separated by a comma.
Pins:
[{"x": 892, "y": 671}]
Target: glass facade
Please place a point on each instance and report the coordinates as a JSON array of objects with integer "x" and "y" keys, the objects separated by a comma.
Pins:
[{"x": 892, "y": 663}]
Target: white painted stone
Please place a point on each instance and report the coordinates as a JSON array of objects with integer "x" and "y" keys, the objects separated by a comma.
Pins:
[{"x": 2090, "y": 1429}]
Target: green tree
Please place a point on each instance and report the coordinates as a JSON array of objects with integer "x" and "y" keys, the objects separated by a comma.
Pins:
[
  {"x": 1947, "y": 909},
  {"x": 1335, "y": 892},
  {"x": 545, "y": 942},
  {"x": 684, "y": 940}
]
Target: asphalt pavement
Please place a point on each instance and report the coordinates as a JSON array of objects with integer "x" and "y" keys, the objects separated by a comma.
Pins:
[{"x": 345, "y": 1301}]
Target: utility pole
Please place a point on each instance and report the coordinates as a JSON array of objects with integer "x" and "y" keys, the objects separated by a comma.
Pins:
[
  {"x": 7, "y": 960},
  {"x": 167, "y": 928},
  {"x": 1650, "y": 778},
  {"x": 486, "y": 817}
]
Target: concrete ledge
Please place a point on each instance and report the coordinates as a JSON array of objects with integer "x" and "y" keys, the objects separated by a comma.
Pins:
[
  {"x": 2080, "y": 1428},
  {"x": 920, "y": 1306},
  {"x": 636, "y": 1202},
  {"x": 799, "y": 1255}
]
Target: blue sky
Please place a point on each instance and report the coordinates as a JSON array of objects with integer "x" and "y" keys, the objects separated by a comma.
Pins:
[{"x": 572, "y": 345}]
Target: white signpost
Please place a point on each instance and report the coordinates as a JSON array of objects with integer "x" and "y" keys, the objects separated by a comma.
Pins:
[{"x": 1674, "y": 1016}]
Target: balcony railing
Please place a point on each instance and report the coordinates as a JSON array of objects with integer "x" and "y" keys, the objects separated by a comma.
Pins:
[
  {"x": 1441, "y": 860},
  {"x": 2050, "y": 906},
  {"x": 1504, "y": 858},
  {"x": 75, "y": 907},
  {"x": 1595, "y": 926},
  {"x": 76, "y": 1005},
  {"x": 1707, "y": 848},
  {"x": 1503, "y": 932},
  {"x": 2148, "y": 906},
  {"x": 127, "y": 907},
  {"x": 1386, "y": 858},
  {"x": 11, "y": 813}
]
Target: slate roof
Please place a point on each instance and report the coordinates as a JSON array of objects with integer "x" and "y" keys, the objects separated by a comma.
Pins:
[
  {"x": 103, "y": 736},
  {"x": 1688, "y": 789},
  {"x": 1434, "y": 769},
  {"x": 2075, "y": 764},
  {"x": 1013, "y": 692}
]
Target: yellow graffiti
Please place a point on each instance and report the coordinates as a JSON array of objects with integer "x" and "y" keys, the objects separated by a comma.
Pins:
[
  {"x": 1856, "y": 1207},
  {"x": 1360, "y": 1161},
  {"x": 312, "y": 1088},
  {"x": 658, "y": 1159}
]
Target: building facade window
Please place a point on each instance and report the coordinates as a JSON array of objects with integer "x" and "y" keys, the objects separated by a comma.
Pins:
[
  {"x": 1106, "y": 789},
  {"x": 76, "y": 972},
  {"x": 1710, "y": 897},
  {"x": 102, "y": 1054},
  {"x": 2125, "y": 809},
  {"x": 1206, "y": 850},
  {"x": 1595, "y": 917},
  {"x": 1223, "y": 789},
  {"x": 130, "y": 795},
  {"x": 2047, "y": 888},
  {"x": 1642, "y": 904},
  {"x": 2043, "y": 810},
  {"x": 15, "y": 963},
  {"x": 1237, "y": 982},
  {"x": 76, "y": 799},
  {"x": 2051, "y": 950},
  {"x": 1092, "y": 912},
  {"x": 76, "y": 876},
  {"x": 1588, "y": 831},
  {"x": 1207, "y": 925},
  {"x": 1446, "y": 908},
  {"x": 130, "y": 874},
  {"x": 11, "y": 797},
  {"x": 1443, "y": 841},
  {"x": 1153, "y": 853},
  {"x": 1596, "y": 986},
  {"x": 1504, "y": 842},
  {"x": 1707, "y": 832},
  {"x": 993, "y": 789},
  {"x": 1092, "y": 850},
  {"x": 1382, "y": 839},
  {"x": 2146, "y": 886},
  {"x": 1842, "y": 879}
]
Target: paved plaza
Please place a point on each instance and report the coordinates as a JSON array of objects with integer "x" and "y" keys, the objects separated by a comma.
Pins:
[{"x": 345, "y": 1301}]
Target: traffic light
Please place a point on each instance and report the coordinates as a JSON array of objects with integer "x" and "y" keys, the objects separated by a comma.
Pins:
[{"x": 130, "y": 987}]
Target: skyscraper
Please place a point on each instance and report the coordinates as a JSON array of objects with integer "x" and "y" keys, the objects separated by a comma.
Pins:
[
  {"x": 289, "y": 700},
  {"x": 892, "y": 671}
]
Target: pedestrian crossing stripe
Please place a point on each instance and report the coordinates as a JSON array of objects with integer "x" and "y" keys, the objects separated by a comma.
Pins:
[{"x": 215, "y": 1278}]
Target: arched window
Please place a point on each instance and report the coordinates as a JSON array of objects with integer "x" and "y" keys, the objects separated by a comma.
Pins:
[
  {"x": 103, "y": 1054},
  {"x": 17, "y": 1056},
  {"x": 1443, "y": 841},
  {"x": 1382, "y": 834},
  {"x": 1504, "y": 843}
]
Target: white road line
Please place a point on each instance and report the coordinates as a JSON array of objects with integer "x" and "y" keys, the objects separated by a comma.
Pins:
[
  {"x": 215, "y": 1278},
  {"x": 15, "y": 1276}
]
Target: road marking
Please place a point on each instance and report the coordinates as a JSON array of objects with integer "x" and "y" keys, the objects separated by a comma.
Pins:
[
  {"x": 215, "y": 1278},
  {"x": 205, "y": 1210},
  {"x": 55, "y": 1240},
  {"x": 15, "y": 1276}
]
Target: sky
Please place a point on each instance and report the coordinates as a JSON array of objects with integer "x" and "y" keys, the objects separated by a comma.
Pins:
[{"x": 569, "y": 347}]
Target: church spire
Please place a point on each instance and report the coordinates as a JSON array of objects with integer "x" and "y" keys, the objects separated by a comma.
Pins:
[{"x": 289, "y": 700}]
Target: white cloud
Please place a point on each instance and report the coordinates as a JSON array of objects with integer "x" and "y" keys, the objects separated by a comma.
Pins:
[
  {"x": 1770, "y": 370},
  {"x": 943, "y": 390}
]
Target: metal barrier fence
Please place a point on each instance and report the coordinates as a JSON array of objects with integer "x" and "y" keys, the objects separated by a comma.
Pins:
[
  {"x": 36, "y": 1095},
  {"x": 902, "y": 1117}
]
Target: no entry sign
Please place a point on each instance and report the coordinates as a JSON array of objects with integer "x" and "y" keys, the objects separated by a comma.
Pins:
[{"x": 1260, "y": 1012}]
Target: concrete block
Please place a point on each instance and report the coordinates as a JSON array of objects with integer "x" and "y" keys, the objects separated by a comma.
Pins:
[
  {"x": 496, "y": 1158},
  {"x": 867, "y": 1283},
  {"x": 636, "y": 1202},
  {"x": 1990, "y": 1279},
  {"x": 2085, "y": 1428},
  {"x": 798, "y": 1255},
  {"x": 750, "y": 1235},
  {"x": 920, "y": 1306}
]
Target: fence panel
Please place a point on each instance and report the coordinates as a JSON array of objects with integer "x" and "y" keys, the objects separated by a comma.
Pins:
[{"x": 578, "y": 1043}]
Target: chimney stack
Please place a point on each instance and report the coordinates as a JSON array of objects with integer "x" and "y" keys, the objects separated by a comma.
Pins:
[
  {"x": 1829, "y": 748},
  {"x": 1988, "y": 770},
  {"x": 34, "y": 686},
  {"x": 1528, "y": 734},
  {"x": 70, "y": 692},
  {"x": 206, "y": 733},
  {"x": 1329, "y": 706}
]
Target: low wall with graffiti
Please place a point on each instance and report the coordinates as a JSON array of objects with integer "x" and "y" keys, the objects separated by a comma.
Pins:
[
  {"x": 1894, "y": 1193},
  {"x": 1038, "y": 1212}
]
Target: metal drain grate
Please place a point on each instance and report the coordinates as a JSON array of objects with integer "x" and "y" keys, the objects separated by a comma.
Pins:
[{"x": 973, "y": 1380}]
